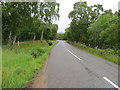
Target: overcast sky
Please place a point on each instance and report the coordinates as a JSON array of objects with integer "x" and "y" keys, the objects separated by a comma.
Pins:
[{"x": 67, "y": 5}]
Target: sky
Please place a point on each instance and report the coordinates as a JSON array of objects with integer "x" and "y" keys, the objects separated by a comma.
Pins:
[{"x": 67, "y": 5}]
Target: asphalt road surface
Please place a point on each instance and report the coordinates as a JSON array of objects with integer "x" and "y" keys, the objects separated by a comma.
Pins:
[{"x": 70, "y": 67}]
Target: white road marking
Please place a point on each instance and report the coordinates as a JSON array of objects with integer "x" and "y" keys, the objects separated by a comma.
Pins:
[
  {"x": 74, "y": 55},
  {"x": 111, "y": 83}
]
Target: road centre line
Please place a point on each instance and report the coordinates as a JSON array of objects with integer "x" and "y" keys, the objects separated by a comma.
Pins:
[
  {"x": 113, "y": 84},
  {"x": 74, "y": 55},
  {"x": 105, "y": 78}
]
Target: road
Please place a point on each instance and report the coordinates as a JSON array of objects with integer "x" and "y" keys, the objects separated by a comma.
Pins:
[{"x": 70, "y": 67}]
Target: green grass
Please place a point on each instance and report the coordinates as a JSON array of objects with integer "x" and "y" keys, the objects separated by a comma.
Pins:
[
  {"x": 107, "y": 54},
  {"x": 20, "y": 65}
]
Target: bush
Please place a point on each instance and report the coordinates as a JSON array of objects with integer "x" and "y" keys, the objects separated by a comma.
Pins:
[{"x": 37, "y": 53}]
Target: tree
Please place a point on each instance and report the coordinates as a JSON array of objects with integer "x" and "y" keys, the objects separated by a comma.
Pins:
[
  {"x": 93, "y": 26},
  {"x": 109, "y": 35},
  {"x": 15, "y": 15},
  {"x": 61, "y": 36},
  {"x": 82, "y": 16},
  {"x": 53, "y": 33},
  {"x": 68, "y": 34},
  {"x": 103, "y": 33},
  {"x": 49, "y": 13},
  {"x": 26, "y": 20}
]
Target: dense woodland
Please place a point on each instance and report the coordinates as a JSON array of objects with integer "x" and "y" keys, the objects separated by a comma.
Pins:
[
  {"x": 23, "y": 21},
  {"x": 94, "y": 26},
  {"x": 90, "y": 25},
  {"x": 61, "y": 36}
]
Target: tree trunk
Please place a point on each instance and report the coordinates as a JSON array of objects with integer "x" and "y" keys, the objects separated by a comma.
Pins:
[
  {"x": 18, "y": 42},
  {"x": 42, "y": 34},
  {"x": 95, "y": 39},
  {"x": 14, "y": 40},
  {"x": 10, "y": 40},
  {"x": 34, "y": 37}
]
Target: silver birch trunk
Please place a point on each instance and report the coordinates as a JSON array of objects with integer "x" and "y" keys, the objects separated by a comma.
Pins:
[
  {"x": 34, "y": 37},
  {"x": 42, "y": 34},
  {"x": 10, "y": 40},
  {"x": 18, "y": 43},
  {"x": 14, "y": 40}
]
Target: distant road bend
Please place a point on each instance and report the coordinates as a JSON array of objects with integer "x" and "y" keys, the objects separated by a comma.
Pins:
[{"x": 70, "y": 67}]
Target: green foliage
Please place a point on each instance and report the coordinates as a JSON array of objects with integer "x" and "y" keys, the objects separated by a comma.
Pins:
[
  {"x": 26, "y": 20},
  {"x": 82, "y": 16},
  {"x": 93, "y": 26},
  {"x": 19, "y": 66},
  {"x": 50, "y": 31},
  {"x": 103, "y": 33},
  {"x": 61, "y": 36}
]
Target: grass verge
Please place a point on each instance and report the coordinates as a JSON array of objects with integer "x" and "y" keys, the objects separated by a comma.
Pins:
[
  {"x": 21, "y": 63},
  {"x": 107, "y": 54}
]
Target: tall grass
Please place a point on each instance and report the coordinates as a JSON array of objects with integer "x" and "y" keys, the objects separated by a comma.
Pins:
[
  {"x": 20, "y": 65},
  {"x": 107, "y": 54}
]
